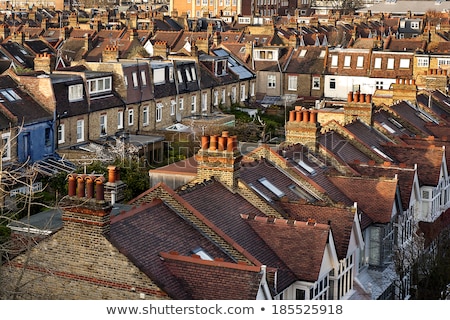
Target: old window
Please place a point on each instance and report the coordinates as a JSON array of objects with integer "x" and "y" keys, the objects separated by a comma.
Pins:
[
  {"x": 316, "y": 83},
  {"x": 360, "y": 62},
  {"x": 80, "y": 130},
  {"x": 75, "y": 92},
  {"x": 145, "y": 116},
  {"x": 390, "y": 63},
  {"x": 292, "y": 83},
  {"x": 377, "y": 64},
  {"x": 271, "y": 81}
]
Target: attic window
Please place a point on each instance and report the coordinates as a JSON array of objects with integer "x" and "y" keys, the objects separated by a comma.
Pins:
[
  {"x": 259, "y": 192},
  {"x": 242, "y": 50},
  {"x": 10, "y": 94},
  {"x": 302, "y": 53},
  {"x": 202, "y": 253}
]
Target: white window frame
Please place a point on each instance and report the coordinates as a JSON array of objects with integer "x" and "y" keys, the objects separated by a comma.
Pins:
[
  {"x": 360, "y": 62},
  {"x": 404, "y": 63},
  {"x": 193, "y": 103},
  {"x": 181, "y": 103},
  {"x": 443, "y": 62},
  {"x": 204, "y": 101},
  {"x": 135, "y": 79},
  {"x": 292, "y": 82},
  {"x": 224, "y": 95},
  {"x": 390, "y": 63},
  {"x": 243, "y": 93},
  {"x": 423, "y": 62},
  {"x": 6, "y": 146},
  {"x": 61, "y": 133},
  {"x": 377, "y": 63},
  {"x": 314, "y": 81},
  {"x": 271, "y": 81},
  {"x": 334, "y": 61},
  {"x": 173, "y": 107},
  {"x": 216, "y": 98},
  {"x": 76, "y": 92},
  {"x": 99, "y": 85},
  {"x": 143, "y": 77},
  {"x": 103, "y": 124},
  {"x": 252, "y": 89},
  {"x": 120, "y": 120},
  {"x": 145, "y": 116},
  {"x": 347, "y": 61},
  {"x": 159, "y": 110},
  {"x": 80, "y": 130},
  {"x": 130, "y": 117}
]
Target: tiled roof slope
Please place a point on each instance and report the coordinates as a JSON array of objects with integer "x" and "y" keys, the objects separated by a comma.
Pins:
[
  {"x": 251, "y": 172},
  {"x": 375, "y": 197},
  {"x": 141, "y": 234},
  {"x": 223, "y": 208},
  {"x": 405, "y": 175},
  {"x": 212, "y": 280},
  {"x": 340, "y": 220},
  {"x": 301, "y": 245},
  {"x": 428, "y": 160}
]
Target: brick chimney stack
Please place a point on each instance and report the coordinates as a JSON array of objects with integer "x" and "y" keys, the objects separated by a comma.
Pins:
[
  {"x": 219, "y": 157},
  {"x": 85, "y": 206},
  {"x": 359, "y": 105},
  {"x": 303, "y": 127},
  {"x": 111, "y": 53},
  {"x": 44, "y": 62}
]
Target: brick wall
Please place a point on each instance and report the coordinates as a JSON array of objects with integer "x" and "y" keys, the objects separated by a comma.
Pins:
[{"x": 78, "y": 262}]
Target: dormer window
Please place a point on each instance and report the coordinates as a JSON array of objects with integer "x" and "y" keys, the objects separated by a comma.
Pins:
[
  {"x": 266, "y": 55},
  {"x": 75, "y": 92},
  {"x": 159, "y": 76},
  {"x": 99, "y": 85},
  {"x": 221, "y": 67}
]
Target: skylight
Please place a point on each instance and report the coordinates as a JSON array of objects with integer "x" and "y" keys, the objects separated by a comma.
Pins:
[
  {"x": 306, "y": 167},
  {"x": 389, "y": 129},
  {"x": 266, "y": 183},
  {"x": 10, "y": 94},
  {"x": 202, "y": 253},
  {"x": 260, "y": 192}
]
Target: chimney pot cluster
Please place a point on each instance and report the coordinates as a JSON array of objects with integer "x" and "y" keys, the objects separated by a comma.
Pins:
[
  {"x": 86, "y": 186},
  {"x": 359, "y": 97},
  {"x": 304, "y": 115},
  {"x": 220, "y": 143}
]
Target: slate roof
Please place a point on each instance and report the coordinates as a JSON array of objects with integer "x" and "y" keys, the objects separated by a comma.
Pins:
[
  {"x": 411, "y": 116},
  {"x": 236, "y": 281},
  {"x": 310, "y": 63},
  {"x": 300, "y": 245},
  {"x": 60, "y": 84},
  {"x": 252, "y": 172},
  {"x": 143, "y": 233},
  {"x": 341, "y": 147},
  {"x": 340, "y": 219},
  {"x": 209, "y": 200},
  {"x": 392, "y": 123},
  {"x": 22, "y": 56},
  {"x": 24, "y": 108},
  {"x": 375, "y": 197},
  {"x": 368, "y": 135}
]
